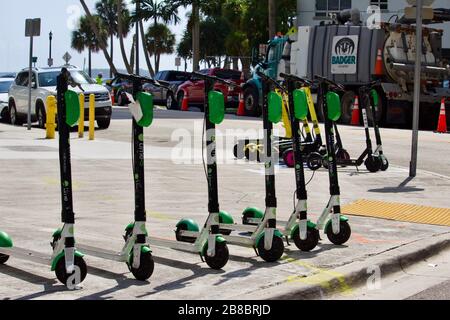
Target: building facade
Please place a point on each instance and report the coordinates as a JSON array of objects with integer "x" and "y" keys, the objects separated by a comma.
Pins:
[{"x": 312, "y": 12}]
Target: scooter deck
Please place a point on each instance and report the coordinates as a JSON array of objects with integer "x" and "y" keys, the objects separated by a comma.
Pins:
[
  {"x": 101, "y": 253},
  {"x": 172, "y": 244},
  {"x": 24, "y": 254}
]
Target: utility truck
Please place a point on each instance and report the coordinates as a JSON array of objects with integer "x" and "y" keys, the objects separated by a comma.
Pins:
[{"x": 350, "y": 53}]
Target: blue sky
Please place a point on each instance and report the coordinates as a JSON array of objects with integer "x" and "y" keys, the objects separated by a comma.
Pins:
[{"x": 57, "y": 16}]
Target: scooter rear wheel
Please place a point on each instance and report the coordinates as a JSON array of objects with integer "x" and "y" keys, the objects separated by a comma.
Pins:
[
  {"x": 342, "y": 237},
  {"x": 289, "y": 158},
  {"x": 146, "y": 267},
  {"x": 221, "y": 257},
  {"x": 3, "y": 258},
  {"x": 314, "y": 161},
  {"x": 180, "y": 238},
  {"x": 312, "y": 239},
  {"x": 237, "y": 154},
  {"x": 62, "y": 274},
  {"x": 373, "y": 164},
  {"x": 275, "y": 253}
]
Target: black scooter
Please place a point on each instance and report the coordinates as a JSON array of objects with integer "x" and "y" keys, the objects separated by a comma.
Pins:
[
  {"x": 368, "y": 157},
  {"x": 337, "y": 228}
]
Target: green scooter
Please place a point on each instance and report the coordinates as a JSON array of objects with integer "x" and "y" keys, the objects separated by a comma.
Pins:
[{"x": 66, "y": 261}]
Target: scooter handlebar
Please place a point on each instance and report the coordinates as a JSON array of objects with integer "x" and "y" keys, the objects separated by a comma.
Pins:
[
  {"x": 295, "y": 78},
  {"x": 142, "y": 79},
  {"x": 269, "y": 79},
  {"x": 335, "y": 85},
  {"x": 70, "y": 80},
  {"x": 215, "y": 79}
]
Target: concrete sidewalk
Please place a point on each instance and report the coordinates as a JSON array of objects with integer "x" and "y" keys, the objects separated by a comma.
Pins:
[{"x": 103, "y": 197}]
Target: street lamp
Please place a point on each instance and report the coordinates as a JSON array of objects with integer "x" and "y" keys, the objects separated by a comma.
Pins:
[{"x": 50, "y": 60}]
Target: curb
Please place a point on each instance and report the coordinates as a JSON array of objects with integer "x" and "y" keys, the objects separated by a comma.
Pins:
[{"x": 356, "y": 273}]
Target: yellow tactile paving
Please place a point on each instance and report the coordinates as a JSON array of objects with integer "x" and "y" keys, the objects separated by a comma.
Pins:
[{"x": 399, "y": 212}]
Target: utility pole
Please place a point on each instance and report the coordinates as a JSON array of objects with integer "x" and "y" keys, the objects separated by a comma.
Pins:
[
  {"x": 138, "y": 7},
  {"x": 50, "y": 60},
  {"x": 32, "y": 29},
  {"x": 196, "y": 36},
  {"x": 417, "y": 88},
  {"x": 272, "y": 19}
]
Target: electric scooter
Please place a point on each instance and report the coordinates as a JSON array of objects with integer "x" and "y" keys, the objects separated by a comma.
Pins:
[
  {"x": 66, "y": 261},
  {"x": 136, "y": 252},
  {"x": 266, "y": 240},
  {"x": 312, "y": 146},
  {"x": 337, "y": 228},
  {"x": 373, "y": 100},
  {"x": 209, "y": 244},
  {"x": 371, "y": 160}
]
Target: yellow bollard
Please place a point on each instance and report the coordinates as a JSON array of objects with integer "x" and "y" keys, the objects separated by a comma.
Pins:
[
  {"x": 92, "y": 117},
  {"x": 81, "y": 121},
  {"x": 51, "y": 117}
]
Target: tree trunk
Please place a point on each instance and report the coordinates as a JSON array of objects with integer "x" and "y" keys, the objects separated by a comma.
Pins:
[
  {"x": 158, "y": 61},
  {"x": 146, "y": 54},
  {"x": 235, "y": 63},
  {"x": 96, "y": 32},
  {"x": 272, "y": 19},
  {"x": 112, "y": 54},
  {"x": 132, "y": 55},
  {"x": 90, "y": 62},
  {"x": 120, "y": 33},
  {"x": 246, "y": 66},
  {"x": 196, "y": 36}
]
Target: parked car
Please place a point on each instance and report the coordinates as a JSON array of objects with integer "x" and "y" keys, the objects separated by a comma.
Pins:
[
  {"x": 194, "y": 88},
  {"x": 5, "y": 84},
  {"x": 163, "y": 96},
  {"x": 118, "y": 88},
  {"x": 43, "y": 84}
]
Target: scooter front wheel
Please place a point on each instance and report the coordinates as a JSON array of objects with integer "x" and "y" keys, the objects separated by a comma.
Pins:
[
  {"x": 342, "y": 237},
  {"x": 220, "y": 258},
  {"x": 311, "y": 241},
  {"x": 146, "y": 267},
  {"x": 64, "y": 277},
  {"x": 275, "y": 253},
  {"x": 3, "y": 258}
]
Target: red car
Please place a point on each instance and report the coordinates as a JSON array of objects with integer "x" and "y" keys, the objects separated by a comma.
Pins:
[{"x": 194, "y": 89}]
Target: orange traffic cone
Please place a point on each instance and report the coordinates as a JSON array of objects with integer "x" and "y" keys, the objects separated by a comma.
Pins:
[
  {"x": 241, "y": 109},
  {"x": 379, "y": 64},
  {"x": 185, "y": 104},
  {"x": 442, "y": 123},
  {"x": 355, "y": 112}
]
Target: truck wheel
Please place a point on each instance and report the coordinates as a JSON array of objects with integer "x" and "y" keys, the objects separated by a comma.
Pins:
[
  {"x": 347, "y": 107},
  {"x": 104, "y": 123},
  {"x": 41, "y": 116},
  {"x": 251, "y": 98}
]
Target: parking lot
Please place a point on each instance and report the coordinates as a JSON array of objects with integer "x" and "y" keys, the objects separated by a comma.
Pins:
[{"x": 103, "y": 199}]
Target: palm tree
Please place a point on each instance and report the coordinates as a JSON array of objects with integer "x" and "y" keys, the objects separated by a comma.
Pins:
[
  {"x": 123, "y": 28},
  {"x": 159, "y": 40},
  {"x": 154, "y": 10},
  {"x": 195, "y": 25},
  {"x": 84, "y": 38},
  {"x": 111, "y": 12},
  {"x": 96, "y": 30}
]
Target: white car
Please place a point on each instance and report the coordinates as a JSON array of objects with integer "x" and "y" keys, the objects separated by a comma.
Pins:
[
  {"x": 43, "y": 85},
  {"x": 5, "y": 84}
]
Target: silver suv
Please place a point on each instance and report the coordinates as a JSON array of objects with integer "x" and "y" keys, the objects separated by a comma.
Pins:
[{"x": 43, "y": 84}]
